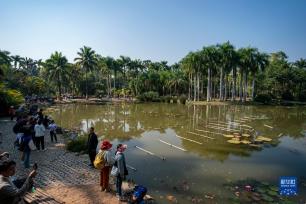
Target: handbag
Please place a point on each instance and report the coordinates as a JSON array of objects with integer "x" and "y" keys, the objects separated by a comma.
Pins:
[
  {"x": 115, "y": 171},
  {"x": 32, "y": 145}
]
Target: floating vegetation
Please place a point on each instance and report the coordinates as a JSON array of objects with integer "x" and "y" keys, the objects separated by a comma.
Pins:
[
  {"x": 252, "y": 191},
  {"x": 264, "y": 139},
  {"x": 246, "y": 135},
  {"x": 245, "y": 142},
  {"x": 268, "y": 126},
  {"x": 233, "y": 141},
  {"x": 228, "y": 136}
]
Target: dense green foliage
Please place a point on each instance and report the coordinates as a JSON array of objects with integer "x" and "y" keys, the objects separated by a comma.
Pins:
[{"x": 215, "y": 72}]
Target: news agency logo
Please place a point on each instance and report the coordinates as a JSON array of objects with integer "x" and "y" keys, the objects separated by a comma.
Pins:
[{"x": 288, "y": 186}]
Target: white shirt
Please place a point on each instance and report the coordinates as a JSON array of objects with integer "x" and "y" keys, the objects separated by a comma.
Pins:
[{"x": 39, "y": 130}]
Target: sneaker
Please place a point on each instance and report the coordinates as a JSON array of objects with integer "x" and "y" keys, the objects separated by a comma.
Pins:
[{"x": 44, "y": 149}]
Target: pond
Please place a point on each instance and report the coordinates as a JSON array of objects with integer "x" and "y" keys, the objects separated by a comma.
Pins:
[{"x": 201, "y": 161}]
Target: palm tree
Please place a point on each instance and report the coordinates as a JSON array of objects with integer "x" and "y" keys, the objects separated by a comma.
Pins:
[
  {"x": 16, "y": 59},
  {"x": 210, "y": 59},
  {"x": 87, "y": 60},
  {"x": 227, "y": 60},
  {"x": 5, "y": 59},
  {"x": 246, "y": 61},
  {"x": 260, "y": 63},
  {"x": 57, "y": 66}
]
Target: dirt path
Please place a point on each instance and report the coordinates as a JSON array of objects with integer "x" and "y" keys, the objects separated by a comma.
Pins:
[{"x": 62, "y": 174}]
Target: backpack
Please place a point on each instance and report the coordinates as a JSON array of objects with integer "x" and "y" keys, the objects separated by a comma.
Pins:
[
  {"x": 16, "y": 128},
  {"x": 139, "y": 193},
  {"x": 100, "y": 161}
]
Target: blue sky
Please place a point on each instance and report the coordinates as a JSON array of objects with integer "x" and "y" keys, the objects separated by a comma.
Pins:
[{"x": 150, "y": 29}]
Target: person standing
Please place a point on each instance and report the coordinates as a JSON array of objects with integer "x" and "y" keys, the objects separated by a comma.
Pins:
[
  {"x": 25, "y": 142},
  {"x": 108, "y": 162},
  {"x": 122, "y": 170},
  {"x": 52, "y": 128},
  {"x": 12, "y": 112},
  {"x": 92, "y": 143},
  {"x": 40, "y": 135}
]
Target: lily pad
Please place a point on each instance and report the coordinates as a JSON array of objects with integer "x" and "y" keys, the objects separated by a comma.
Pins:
[
  {"x": 246, "y": 135},
  {"x": 267, "y": 198},
  {"x": 245, "y": 142},
  {"x": 229, "y": 136},
  {"x": 261, "y": 190},
  {"x": 272, "y": 193},
  {"x": 265, "y": 139},
  {"x": 233, "y": 141},
  {"x": 274, "y": 188}
]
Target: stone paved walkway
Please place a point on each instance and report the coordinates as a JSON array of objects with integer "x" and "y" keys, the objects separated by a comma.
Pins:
[{"x": 56, "y": 166}]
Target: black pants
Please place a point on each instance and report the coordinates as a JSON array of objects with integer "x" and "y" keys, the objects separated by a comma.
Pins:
[
  {"x": 40, "y": 141},
  {"x": 53, "y": 135},
  {"x": 92, "y": 156}
]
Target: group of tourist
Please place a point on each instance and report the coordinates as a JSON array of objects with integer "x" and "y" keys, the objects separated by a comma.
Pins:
[
  {"x": 31, "y": 129},
  {"x": 107, "y": 164}
]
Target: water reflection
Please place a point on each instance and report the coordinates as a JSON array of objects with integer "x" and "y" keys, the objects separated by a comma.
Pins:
[
  {"x": 204, "y": 167},
  {"x": 126, "y": 121}
]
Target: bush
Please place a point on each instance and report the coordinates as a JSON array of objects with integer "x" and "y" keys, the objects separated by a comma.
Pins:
[
  {"x": 183, "y": 99},
  {"x": 287, "y": 95},
  {"x": 9, "y": 97},
  {"x": 150, "y": 96},
  {"x": 263, "y": 98},
  {"x": 78, "y": 145},
  {"x": 302, "y": 96}
]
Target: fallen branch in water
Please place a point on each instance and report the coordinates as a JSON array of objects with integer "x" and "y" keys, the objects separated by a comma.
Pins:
[
  {"x": 151, "y": 153},
  {"x": 173, "y": 145},
  {"x": 189, "y": 139},
  {"x": 201, "y": 135}
]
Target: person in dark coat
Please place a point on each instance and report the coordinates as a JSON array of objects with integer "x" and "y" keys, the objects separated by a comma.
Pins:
[{"x": 92, "y": 143}]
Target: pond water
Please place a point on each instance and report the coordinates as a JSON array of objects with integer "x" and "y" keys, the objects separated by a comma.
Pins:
[{"x": 208, "y": 161}]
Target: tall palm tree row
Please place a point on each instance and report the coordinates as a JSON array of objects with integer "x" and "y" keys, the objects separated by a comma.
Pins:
[{"x": 223, "y": 71}]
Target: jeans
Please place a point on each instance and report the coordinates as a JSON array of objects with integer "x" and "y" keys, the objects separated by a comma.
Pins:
[
  {"x": 53, "y": 135},
  {"x": 92, "y": 156},
  {"x": 118, "y": 185},
  {"x": 40, "y": 141},
  {"x": 26, "y": 161}
]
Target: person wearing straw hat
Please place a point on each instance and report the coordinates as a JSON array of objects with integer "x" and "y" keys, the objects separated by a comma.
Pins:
[{"x": 108, "y": 162}]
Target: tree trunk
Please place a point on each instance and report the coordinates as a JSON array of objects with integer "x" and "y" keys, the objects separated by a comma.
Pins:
[
  {"x": 225, "y": 88},
  {"x": 241, "y": 87},
  {"x": 245, "y": 86},
  {"x": 208, "y": 85},
  {"x": 195, "y": 88},
  {"x": 189, "y": 87},
  {"x": 198, "y": 86},
  {"x": 59, "y": 88},
  {"x": 234, "y": 84},
  {"x": 253, "y": 86},
  {"x": 86, "y": 84},
  {"x": 221, "y": 85}
]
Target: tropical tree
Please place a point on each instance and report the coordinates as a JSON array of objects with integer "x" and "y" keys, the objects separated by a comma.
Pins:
[
  {"x": 261, "y": 61},
  {"x": 227, "y": 62},
  {"x": 16, "y": 60},
  {"x": 57, "y": 67},
  {"x": 88, "y": 61}
]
